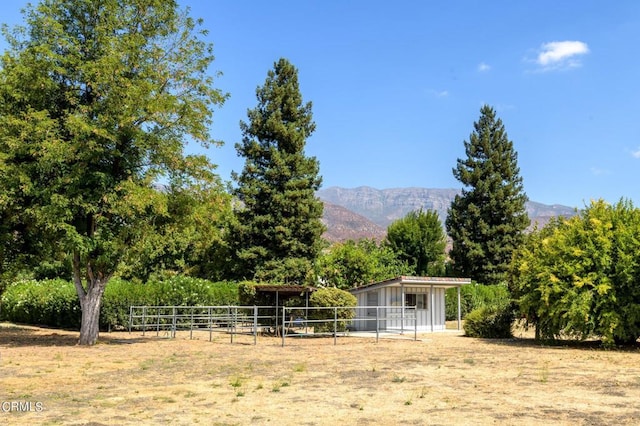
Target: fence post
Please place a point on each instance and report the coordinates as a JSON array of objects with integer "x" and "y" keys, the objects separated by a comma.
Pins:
[
  {"x": 233, "y": 312},
  {"x": 459, "y": 318},
  {"x": 157, "y": 322},
  {"x": 174, "y": 323},
  {"x": 377, "y": 323},
  {"x": 144, "y": 323},
  {"x": 335, "y": 326},
  {"x": 191, "y": 325},
  {"x": 210, "y": 324},
  {"x": 229, "y": 322},
  {"x": 255, "y": 325},
  {"x": 415, "y": 323},
  {"x": 283, "y": 315}
]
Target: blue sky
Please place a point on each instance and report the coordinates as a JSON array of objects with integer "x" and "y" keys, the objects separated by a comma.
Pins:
[{"x": 396, "y": 86}]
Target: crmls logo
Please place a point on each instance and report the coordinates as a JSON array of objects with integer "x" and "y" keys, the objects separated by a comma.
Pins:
[{"x": 20, "y": 406}]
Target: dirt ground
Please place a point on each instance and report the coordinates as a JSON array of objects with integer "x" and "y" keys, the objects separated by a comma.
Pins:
[{"x": 441, "y": 379}]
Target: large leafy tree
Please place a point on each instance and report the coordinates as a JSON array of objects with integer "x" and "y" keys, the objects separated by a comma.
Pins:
[
  {"x": 354, "y": 263},
  {"x": 580, "y": 277},
  {"x": 188, "y": 240},
  {"x": 487, "y": 220},
  {"x": 279, "y": 233},
  {"x": 97, "y": 99},
  {"x": 418, "y": 239}
]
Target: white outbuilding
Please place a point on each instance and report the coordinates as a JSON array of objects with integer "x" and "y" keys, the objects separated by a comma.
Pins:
[{"x": 405, "y": 303}]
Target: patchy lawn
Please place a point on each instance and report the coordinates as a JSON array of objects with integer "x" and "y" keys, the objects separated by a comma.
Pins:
[{"x": 443, "y": 378}]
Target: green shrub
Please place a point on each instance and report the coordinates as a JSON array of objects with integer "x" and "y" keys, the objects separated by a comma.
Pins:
[
  {"x": 475, "y": 296},
  {"x": 118, "y": 296},
  {"x": 174, "y": 291},
  {"x": 332, "y": 297},
  {"x": 490, "y": 322},
  {"x": 55, "y": 302},
  {"x": 47, "y": 302},
  {"x": 188, "y": 291},
  {"x": 579, "y": 277}
]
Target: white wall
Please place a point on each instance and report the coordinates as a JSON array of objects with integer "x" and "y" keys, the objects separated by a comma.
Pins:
[{"x": 392, "y": 297}]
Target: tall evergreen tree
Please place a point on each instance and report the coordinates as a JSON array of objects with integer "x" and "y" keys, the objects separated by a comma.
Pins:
[
  {"x": 486, "y": 222},
  {"x": 279, "y": 232}
]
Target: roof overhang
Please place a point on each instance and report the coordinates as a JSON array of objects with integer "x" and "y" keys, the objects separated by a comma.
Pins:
[
  {"x": 436, "y": 282},
  {"x": 289, "y": 290}
]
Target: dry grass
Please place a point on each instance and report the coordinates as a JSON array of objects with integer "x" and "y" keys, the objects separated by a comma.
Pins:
[{"x": 442, "y": 379}]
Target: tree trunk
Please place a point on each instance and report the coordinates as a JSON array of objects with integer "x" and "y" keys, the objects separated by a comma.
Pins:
[{"x": 90, "y": 301}]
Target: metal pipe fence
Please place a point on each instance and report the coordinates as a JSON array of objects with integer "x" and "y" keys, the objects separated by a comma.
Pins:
[
  {"x": 284, "y": 322},
  {"x": 340, "y": 321}
]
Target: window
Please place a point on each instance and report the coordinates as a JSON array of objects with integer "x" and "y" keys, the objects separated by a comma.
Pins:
[{"x": 417, "y": 300}]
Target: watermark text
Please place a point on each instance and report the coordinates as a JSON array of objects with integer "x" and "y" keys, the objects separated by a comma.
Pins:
[{"x": 20, "y": 406}]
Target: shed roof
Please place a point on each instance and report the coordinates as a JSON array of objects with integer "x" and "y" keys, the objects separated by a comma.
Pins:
[
  {"x": 284, "y": 289},
  {"x": 442, "y": 282}
]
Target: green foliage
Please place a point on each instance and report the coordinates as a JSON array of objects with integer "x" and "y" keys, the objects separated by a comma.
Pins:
[
  {"x": 486, "y": 222},
  {"x": 188, "y": 240},
  {"x": 352, "y": 264},
  {"x": 579, "y": 277},
  {"x": 55, "y": 302},
  {"x": 277, "y": 236},
  {"x": 331, "y": 297},
  {"x": 96, "y": 101},
  {"x": 419, "y": 240},
  {"x": 189, "y": 291},
  {"x": 475, "y": 296},
  {"x": 490, "y": 322},
  {"x": 47, "y": 302},
  {"x": 118, "y": 297},
  {"x": 247, "y": 294}
]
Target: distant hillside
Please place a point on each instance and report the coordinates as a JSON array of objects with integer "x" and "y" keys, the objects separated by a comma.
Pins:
[
  {"x": 343, "y": 224},
  {"x": 365, "y": 205}
]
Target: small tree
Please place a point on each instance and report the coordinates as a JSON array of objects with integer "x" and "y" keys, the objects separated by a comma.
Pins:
[
  {"x": 419, "y": 240},
  {"x": 352, "y": 264},
  {"x": 279, "y": 233},
  {"x": 96, "y": 102},
  {"x": 486, "y": 222},
  {"x": 579, "y": 277}
]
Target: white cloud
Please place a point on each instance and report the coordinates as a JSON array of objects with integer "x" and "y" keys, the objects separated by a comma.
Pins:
[
  {"x": 600, "y": 172},
  {"x": 482, "y": 67},
  {"x": 439, "y": 93},
  {"x": 561, "y": 54},
  {"x": 505, "y": 107}
]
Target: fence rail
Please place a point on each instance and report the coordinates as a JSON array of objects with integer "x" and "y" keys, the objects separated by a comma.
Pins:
[{"x": 284, "y": 322}]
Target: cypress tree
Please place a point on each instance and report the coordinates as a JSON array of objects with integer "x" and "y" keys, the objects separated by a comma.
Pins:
[
  {"x": 278, "y": 235},
  {"x": 486, "y": 221}
]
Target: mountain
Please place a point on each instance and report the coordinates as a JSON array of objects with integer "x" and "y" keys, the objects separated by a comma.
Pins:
[
  {"x": 351, "y": 213},
  {"x": 343, "y": 224}
]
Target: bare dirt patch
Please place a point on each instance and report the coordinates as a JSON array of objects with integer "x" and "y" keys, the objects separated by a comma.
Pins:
[{"x": 442, "y": 379}]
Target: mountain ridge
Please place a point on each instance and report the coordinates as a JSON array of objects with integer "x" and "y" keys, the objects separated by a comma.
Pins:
[{"x": 365, "y": 206}]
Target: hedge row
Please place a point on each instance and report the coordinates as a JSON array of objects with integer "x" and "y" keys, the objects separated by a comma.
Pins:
[
  {"x": 55, "y": 302},
  {"x": 475, "y": 296}
]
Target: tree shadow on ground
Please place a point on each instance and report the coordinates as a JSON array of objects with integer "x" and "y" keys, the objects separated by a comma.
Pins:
[
  {"x": 15, "y": 335},
  {"x": 590, "y": 345}
]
